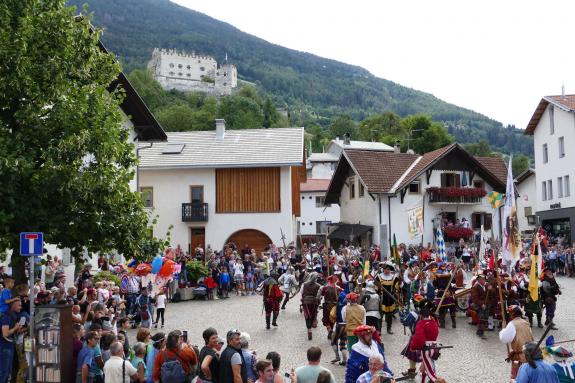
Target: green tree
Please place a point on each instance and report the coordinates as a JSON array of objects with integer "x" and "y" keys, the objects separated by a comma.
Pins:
[
  {"x": 481, "y": 149},
  {"x": 519, "y": 164},
  {"x": 423, "y": 134},
  {"x": 176, "y": 118},
  {"x": 66, "y": 162},
  {"x": 149, "y": 89},
  {"x": 385, "y": 126},
  {"x": 240, "y": 112},
  {"x": 342, "y": 124}
]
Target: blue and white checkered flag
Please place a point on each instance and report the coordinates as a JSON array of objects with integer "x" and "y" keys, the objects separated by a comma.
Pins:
[{"x": 440, "y": 245}]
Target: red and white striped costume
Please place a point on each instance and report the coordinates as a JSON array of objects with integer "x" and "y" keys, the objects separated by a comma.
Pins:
[{"x": 423, "y": 340}]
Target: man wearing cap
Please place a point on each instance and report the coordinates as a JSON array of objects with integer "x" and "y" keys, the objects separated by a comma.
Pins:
[
  {"x": 358, "y": 362},
  {"x": 371, "y": 301},
  {"x": 564, "y": 368},
  {"x": 388, "y": 281},
  {"x": 535, "y": 370},
  {"x": 479, "y": 294},
  {"x": 354, "y": 316},
  {"x": 444, "y": 295},
  {"x": 329, "y": 293},
  {"x": 272, "y": 297},
  {"x": 516, "y": 333},
  {"x": 310, "y": 303}
]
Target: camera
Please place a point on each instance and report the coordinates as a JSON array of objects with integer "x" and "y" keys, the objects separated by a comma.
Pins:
[
  {"x": 287, "y": 374},
  {"x": 185, "y": 335}
]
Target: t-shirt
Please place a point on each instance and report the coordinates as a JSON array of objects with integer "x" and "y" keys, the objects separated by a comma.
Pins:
[
  {"x": 10, "y": 321},
  {"x": 161, "y": 301},
  {"x": 97, "y": 353},
  {"x": 113, "y": 370},
  {"x": 6, "y": 295},
  {"x": 308, "y": 374},
  {"x": 86, "y": 356}
]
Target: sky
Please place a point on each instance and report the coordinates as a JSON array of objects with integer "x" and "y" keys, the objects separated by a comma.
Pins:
[{"x": 495, "y": 57}]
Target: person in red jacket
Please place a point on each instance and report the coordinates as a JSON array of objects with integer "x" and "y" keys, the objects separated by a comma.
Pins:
[
  {"x": 424, "y": 340},
  {"x": 272, "y": 299}
]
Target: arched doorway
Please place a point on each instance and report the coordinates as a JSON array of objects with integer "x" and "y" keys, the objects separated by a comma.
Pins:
[{"x": 254, "y": 238}]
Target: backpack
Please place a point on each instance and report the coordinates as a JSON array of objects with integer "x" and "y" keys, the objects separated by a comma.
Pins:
[
  {"x": 172, "y": 370},
  {"x": 144, "y": 314}
]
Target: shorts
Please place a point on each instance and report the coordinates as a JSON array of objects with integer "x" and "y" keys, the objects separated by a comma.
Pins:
[{"x": 239, "y": 278}]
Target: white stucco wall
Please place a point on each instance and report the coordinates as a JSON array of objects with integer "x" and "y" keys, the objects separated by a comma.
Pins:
[
  {"x": 310, "y": 213},
  {"x": 172, "y": 188},
  {"x": 527, "y": 191},
  {"x": 322, "y": 170},
  {"x": 359, "y": 210},
  {"x": 556, "y": 166}
]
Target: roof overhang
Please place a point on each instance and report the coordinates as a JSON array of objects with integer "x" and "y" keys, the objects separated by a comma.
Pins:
[
  {"x": 218, "y": 166},
  {"x": 348, "y": 231},
  {"x": 539, "y": 110}
]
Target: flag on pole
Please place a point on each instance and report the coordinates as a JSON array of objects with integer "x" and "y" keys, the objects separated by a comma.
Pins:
[
  {"x": 440, "y": 244},
  {"x": 482, "y": 245},
  {"x": 536, "y": 265},
  {"x": 394, "y": 252},
  {"x": 365, "y": 269},
  {"x": 511, "y": 236},
  {"x": 495, "y": 199}
]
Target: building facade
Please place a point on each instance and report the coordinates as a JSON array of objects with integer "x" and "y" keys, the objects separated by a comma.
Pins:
[
  {"x": 216, "y": 187},
  {"x": 553, "y": 129},
  {"x": 316, "y": 216},
  {"x": 408, "y": 195},
  {"x": 192, "y": 72},
  {"x": 526, "y": 186}
]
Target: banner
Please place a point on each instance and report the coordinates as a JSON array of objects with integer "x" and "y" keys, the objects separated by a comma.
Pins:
[
  {"x": 415, "y": 222},
  {"x": 439, "y": 245},
  {"x": 511, "y": 236}
]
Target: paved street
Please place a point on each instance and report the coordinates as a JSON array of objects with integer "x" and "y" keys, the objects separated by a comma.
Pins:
[{"x": 472, "y": 359}]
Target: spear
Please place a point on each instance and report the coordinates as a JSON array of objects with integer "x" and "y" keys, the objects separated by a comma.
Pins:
[
  {"x": 564, "y": 341},
  {"x": 444, "y": 293},
  {"x": 501, "y": 302}
]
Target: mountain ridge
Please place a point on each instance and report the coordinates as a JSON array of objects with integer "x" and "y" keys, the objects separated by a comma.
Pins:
[{"x": 314, "y": 88}]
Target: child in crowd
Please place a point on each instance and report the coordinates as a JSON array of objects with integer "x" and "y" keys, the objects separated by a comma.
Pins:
[
  {"x": 250, "y": 281},
  {"x": 160, "y": 307},
  {"x": 239, "y": 277},
  {"x": 224, "y": 282},
  {"x": 6, "y": 296},
  {"x": 76, "y": 315}
]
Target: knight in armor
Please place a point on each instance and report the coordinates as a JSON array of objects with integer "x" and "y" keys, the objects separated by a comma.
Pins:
[
  {"x": 389, "y": 291},
  {"x": 339, "y": 337},
  {"x": 371, "y": 301},
  {"x": 549, "y": 291},
  {"x": 287, "y": 281},
  {"x": 516, "y": 333},
  {"x": 479, "y": 295},
  {"x": 444, "y": 290},
  {"x": 272, "y": 298},
  {"x": 367, "y": 345},
  {"x": 309, "y": 302},
  {"x": 329, "y": 293}
]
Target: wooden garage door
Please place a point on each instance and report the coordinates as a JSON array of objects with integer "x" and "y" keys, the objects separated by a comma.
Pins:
[{"x": 254, "y": 238}]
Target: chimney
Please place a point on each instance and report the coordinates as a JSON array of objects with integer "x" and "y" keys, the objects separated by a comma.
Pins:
[
  {"x": 563, "y": 91},
  {"x": 347, "y": 139},
  {"x": 396, "y": 148},
  {"x": 220, "y": 128}
]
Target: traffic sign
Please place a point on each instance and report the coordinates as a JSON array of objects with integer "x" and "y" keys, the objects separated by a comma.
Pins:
[{"x": 31, "y": 244}]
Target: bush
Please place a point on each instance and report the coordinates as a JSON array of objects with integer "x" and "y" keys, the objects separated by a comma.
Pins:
[
  {"x": 196, "y": 270},
  {"x": 107, "y": 276}
]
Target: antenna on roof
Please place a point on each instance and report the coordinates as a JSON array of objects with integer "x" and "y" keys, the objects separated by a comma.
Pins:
[{"x": 562, "y": 90}]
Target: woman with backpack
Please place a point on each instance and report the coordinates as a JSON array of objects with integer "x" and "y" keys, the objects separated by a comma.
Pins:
[{"x": 177, "y": 363}]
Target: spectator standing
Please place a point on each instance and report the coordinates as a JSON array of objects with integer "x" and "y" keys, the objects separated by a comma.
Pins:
[
  {"x": 117, "y": 369},
  {"x": 233, "y": 367},
  {"x": 158, "y": 344},
  {"x": 160, "y": 307},
  {"x": 310, "y": 372},
  {"x": 176, "y": 353},
  {"x": 265, "y": 371},
  {"x": 249, "y": 356},
  {"x": 138, "y": 361},
  {"x": 86, "y": 363},
  {"x": 6, "y": 296},
  {"x": 209, "y": 359},
  {"x": 11, "y": 327}
]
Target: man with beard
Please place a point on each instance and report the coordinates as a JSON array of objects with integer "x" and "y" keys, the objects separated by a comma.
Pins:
[
  {"x": 549, "y": 291},
  {"x": 536, "y": 370},
  {"x": 272, "y": 297},
  {"x": 358, "y": 362},
  {"x": 310, "y": 303}
]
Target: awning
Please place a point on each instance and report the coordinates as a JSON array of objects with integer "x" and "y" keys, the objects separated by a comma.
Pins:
[{"x": 347, "y": 231}]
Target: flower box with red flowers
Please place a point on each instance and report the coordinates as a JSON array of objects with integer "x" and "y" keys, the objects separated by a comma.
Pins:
[{"x": 457, "y": 232}]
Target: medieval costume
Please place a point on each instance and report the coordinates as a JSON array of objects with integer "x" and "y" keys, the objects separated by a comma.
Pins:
[
  {"x": 354, "y": 316},
  {"x": 358, "y": 360},
  {"x": 371, "y": 301},
  {"x": 424, "y": 340},
  {"x": 444, "y": 290},
  {"x": 535, "y": 369},
  {"x": 287, "y": 281},
  {"x": 516, "y": 333},
  {"x": 272, "y": 297},
  {"x": 309, "y": 302},
  {"x": 549, "y": 291},
  {"x": 389, "y": 291},
  {"x": 564, "y": 368},
  {"x": 478, "y": 312},
  {"x": 329, "y": 293},
  {"x": 339, "y": 336}
]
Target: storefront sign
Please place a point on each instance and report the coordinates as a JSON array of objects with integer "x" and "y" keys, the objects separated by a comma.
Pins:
[{"x": 555, "y": 205}]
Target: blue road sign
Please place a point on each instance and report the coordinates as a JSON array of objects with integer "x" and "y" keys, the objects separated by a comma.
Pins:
[{"x": 31, "y": 244}]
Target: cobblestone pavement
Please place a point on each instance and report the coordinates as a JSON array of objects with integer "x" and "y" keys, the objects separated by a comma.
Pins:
[{"x": 472, "y": 359}]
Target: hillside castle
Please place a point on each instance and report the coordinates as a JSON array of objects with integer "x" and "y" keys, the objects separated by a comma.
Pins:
[{"x": 191, "y": 72}]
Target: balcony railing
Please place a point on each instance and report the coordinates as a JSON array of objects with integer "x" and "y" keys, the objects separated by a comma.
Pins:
[
  {"x": 455, "y": 195},
  {"x": 194, "y": 212}
]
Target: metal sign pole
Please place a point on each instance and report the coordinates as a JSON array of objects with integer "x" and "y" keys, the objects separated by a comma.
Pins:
[{"x": 31, "y": 326}]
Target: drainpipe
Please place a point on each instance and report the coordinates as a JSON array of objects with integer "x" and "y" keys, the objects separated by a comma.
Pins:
[
  {"x": 389, "y": 224},
  {"x": 138, "y": 164}
]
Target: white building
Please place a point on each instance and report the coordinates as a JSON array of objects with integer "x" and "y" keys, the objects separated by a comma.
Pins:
[
  {"x": 191, "y": 72},
  {"x": 526, "y": 186},
  {"x": 553, "y": 129},
  {"x": 222, "y": 186},
  {"x": 384, "y": 193},
  {"x": 315, "y": 215}
]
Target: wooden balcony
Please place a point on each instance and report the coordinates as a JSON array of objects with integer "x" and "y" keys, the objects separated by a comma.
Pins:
[
  {"x": 194, "y": 212},
  {"x": 455, "y": 195}
]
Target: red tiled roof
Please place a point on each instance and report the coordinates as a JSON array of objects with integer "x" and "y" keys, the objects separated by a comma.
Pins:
[
  {"x": 567, "y": 102},
  {"x": 495, "y": 166},
  {"x": 379, "y": 171},
  {"x": 314, "y": 184},
  {"x": 426, "y": 160}
]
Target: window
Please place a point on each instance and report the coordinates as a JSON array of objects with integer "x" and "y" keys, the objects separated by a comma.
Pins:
[
  {"x": 566, "y": 187},
  {"x": 202, "y": 68},
  {"x": 550, "y": 189},
  {"x": 559, "y": 187},
  {"x": 189, "y": 67},
  {"x": 171, "y": 73},
  {"x": 197, "y": 194},
  {"x": 479, "y": 184},
  {"x": 147, "y": 193},
  {"x": 528, "y": 211},
  {"x": 477, "y": 218},
  {"x": 351, "y": 182},
  {"x": 321, "y": 227},
  {"x": 188, "y": 74},
  {"x": 303, "y": 197},
  {"x": 544, "y": 191},
  {"x": 552, "y": 119},
  {"x": 414, "y": 188},
  {"x": 180, "y": 74},
  {"x": 561, "y": 147},
  {"x": 171, "y": 65},
  {"x": 361, "y": 189},
  {"x": 303, "y": 223},
  {"x": 310, "y": 197},
  {"x": 319, "y": 201},
  {"x": 545, "y": 154},
  {"x": 180, "y": 66},
  {"x": 450, "y": 180},
  {"x": 225, "y": 74}
]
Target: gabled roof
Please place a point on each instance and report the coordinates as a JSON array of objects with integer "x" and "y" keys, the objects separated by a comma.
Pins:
[
  {"x": 237, "y": 149},
  {"x": 524, "y": 176},
  {"x": 314, "y": 185},
  {"x": 566, "y": 103},
  {"x": 389, "y": 172}
]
